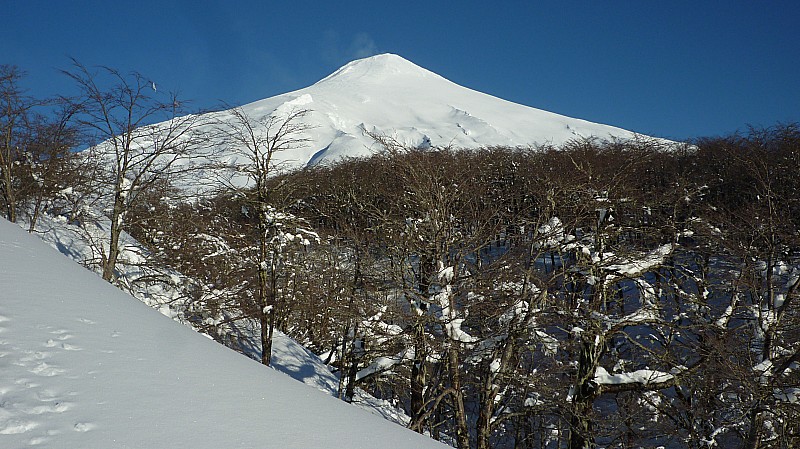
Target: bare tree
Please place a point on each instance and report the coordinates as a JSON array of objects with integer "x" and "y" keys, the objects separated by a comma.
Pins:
[
  {"x": 53, "y": 168},
  {"x": 142, "y": 139},
  {"x": 753, "y": 212},
  {"x": 15, "y": 129},
  {"x": 254, "y": 143}
]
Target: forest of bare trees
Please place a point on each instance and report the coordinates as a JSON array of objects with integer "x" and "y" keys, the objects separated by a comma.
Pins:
[
  {"x": 613, "y": 294},
  {"x": 617, "y": 294}
]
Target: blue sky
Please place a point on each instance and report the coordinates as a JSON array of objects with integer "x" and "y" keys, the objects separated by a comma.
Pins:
[{"x": 674, "y": 69}]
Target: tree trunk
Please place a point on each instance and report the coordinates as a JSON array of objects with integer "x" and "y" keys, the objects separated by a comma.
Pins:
[
  {"x": 581, "y": 424},
  {"x": 266, "y": 339},
  {"x": 266, "y": 314},
  {"x": 350, "y": 389},
  {"x": 418, "y": 379},
  {"x": 350, "y": 358},
  {"x": 462, "y": 432},
  {"x": 483, "y": 425},
  {"x": 756, "y": 423},
  {"x": 7, "y": 162},
  {"x": 11, "y": 208},
  {"x": 37, "y": 207},
  {"x": 110, "y": 263}
]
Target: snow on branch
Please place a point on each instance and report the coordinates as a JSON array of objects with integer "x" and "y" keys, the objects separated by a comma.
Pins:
[
  {"x": 642, "y": 377},
  {"x": 637, "y": 267},
  {"x": 639, "y": 317},
  {"x": 384, "y": 364}
]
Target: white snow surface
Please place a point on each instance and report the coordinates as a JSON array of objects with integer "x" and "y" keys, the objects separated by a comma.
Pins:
[
  {"x": 391, "y": 96},
  {"x": 83, "y": 364}
]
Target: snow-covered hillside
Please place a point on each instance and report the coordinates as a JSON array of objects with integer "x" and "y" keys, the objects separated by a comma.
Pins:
[
  {"x": 388, "y": 95},
  {"x": 82, "y": 364}
]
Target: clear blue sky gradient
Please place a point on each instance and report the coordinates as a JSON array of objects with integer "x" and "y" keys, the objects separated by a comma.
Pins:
[{"x": 675, "y": 69}]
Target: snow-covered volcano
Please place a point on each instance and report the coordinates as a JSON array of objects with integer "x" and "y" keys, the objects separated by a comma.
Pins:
[{"x": 391, "y": 96}]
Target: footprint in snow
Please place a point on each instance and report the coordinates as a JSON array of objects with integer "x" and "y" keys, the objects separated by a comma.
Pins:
[
  {"x": 17, "y": 426},
  {"x": 45, "y": 370},
  {"x": 35, "y": 441},
  {"x": 26, "y": 383},
  {"x": 62, "y": 334},
  {"x": 57, "y": 407},
  {"x": 47, "y": 395},
  {"x": 65, "y": 346},
  {"x": 84, "y": 426},
  {"x": 34, "y": 356}
]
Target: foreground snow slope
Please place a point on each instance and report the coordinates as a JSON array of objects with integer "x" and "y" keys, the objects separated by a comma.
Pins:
[
  {"x": 84, "y": 365},
  {"x": 288, "y": 356}
]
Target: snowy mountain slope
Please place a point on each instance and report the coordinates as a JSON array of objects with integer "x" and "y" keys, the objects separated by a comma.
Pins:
[
  {"x": 80, "y": 243},
  {"x": 388, "y": 95},
  {"x": 84, "y": 365}
]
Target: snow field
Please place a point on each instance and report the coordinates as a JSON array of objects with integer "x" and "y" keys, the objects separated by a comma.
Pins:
[{"x": 83, "y": 364}]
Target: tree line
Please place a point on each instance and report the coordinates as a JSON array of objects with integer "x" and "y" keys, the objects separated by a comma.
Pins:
[
  {"x": 614, "y": 294},
  {"x": 596, "y": 294}
]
